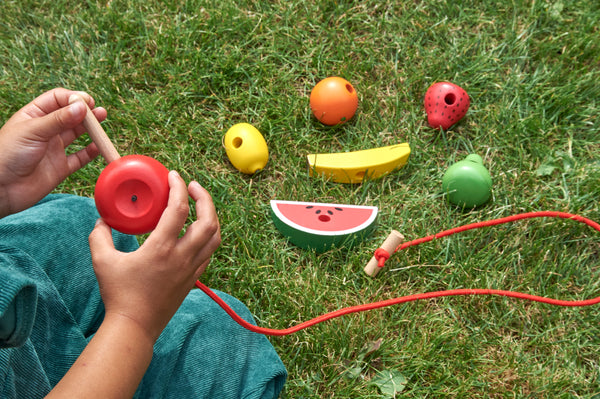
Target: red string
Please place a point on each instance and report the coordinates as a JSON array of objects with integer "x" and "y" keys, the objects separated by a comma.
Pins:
[
  {"x": 494, "y": 222},
  {"x": 428, "y": 295},
  {"x": 381, "y": 255}
]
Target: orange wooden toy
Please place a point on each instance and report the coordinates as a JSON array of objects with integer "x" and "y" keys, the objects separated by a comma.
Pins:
[{"x": 333, "y": 101}]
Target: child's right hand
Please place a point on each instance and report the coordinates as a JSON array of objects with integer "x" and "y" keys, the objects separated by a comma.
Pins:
[
  {"x": 148, "y": 285},
  {"x": 33, "y": 143}
]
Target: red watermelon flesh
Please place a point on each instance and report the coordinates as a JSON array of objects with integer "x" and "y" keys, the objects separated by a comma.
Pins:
[{"x": 321, "y": 226}]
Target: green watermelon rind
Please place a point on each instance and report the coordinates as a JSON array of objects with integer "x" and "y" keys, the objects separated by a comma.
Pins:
[{"x": 321, "y": 241}]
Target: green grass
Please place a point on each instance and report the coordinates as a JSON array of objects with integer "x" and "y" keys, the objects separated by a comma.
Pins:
[{"x": 175, "y": 76}]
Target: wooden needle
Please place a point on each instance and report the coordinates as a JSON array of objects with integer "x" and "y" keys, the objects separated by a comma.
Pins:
[
  {"x": 390, "y": 244},
  {"x": 97, "y": 133}
]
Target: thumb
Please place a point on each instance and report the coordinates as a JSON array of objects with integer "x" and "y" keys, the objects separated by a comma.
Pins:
[
  {"x": 60, "y": 120},
  {"x": 101, "y": 241}
]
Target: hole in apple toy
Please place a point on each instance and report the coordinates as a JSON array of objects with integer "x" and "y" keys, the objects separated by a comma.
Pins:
[
  {"x": 324, "y": 218},
  {"x": 450, "y": 98},
  {"x": 133, "y": 198},
  {"x": 349, "y": 88},
  {"x": 237, "y": 142}
]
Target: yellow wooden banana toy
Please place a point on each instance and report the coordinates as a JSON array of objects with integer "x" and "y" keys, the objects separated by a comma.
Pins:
[{"x": 354, "y": 166}]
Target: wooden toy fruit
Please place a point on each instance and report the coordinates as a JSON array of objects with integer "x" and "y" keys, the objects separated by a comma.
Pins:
[
  {"x": 333, "y": 101},
  {"x": 354, "y": 166},
  {"x": 320, "y": 226},
  {"x": 445, "y": 104},
  {"x": 246, "y": 148},
  {"x": 132, "y": 191},
  {"x": 468, "y": 183}
]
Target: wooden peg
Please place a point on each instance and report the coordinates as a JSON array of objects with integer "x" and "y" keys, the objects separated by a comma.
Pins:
[
  {"x": 389, "y": 245},
  {"x": 97, "y": 133}
]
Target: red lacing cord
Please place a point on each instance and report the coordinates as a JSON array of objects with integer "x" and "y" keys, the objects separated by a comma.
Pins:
[
  {"x": 381, "y": 255},
  {"x": 428, "y": 295}
]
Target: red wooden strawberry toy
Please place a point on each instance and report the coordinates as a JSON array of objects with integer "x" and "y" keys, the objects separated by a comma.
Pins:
[{"x": 445, "y": 104}]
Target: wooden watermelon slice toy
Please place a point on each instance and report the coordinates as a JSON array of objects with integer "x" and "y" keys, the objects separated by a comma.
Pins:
[{"x": 320, "y": 226}]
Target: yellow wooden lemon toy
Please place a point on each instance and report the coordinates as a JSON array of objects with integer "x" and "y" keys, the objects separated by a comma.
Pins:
[{"x": 246, "y": 148}]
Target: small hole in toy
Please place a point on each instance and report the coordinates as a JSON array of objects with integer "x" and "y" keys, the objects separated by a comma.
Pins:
[
  {"x": 133, "y": 198},
  {"x": 237, "y": 142},
  {"x": 450, "y": 98},
  {"x": 349, "y": 88},
  {"x": 324, "y": 218}
]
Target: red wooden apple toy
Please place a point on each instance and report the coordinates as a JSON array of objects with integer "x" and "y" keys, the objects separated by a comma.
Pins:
[{"x": 132, "y": 191}]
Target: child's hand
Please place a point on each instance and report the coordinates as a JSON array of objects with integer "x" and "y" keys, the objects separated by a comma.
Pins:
[
  {"x": 33, "y": 141},
  {"x": 148, "y": 286}
]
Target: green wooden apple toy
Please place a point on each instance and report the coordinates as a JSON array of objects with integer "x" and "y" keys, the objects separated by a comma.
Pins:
[{"x": 467, "y": 183}]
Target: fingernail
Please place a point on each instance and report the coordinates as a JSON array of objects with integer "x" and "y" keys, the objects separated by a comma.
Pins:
[
  {"x": 174, "y": 173},
  {"x": 77, "y": 108},
  {"x": 195, "y": 184},
  {"x": 73, "y": 98},
  {"x": 82, "y": 95}
]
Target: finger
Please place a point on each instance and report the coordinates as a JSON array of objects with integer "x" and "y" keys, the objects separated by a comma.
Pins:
[
  {"x": 100, "y": 113},
  {"x": 175, "y": 214},
  {"x": 207, "y": 222},
  {"x": 204, "y": 233},
  {"x": 200, "y": 271},
  {"x": 70, "y": 135},
  {"x": 53, "y": 100},
  {"x": 101, "y": 242},
  {"x": 62, "y": 97},
  {"x": 203, "y": 257},
  {"x": 57, "y": 122},
  {"x": 81, "y": 158},
  {"x": 205, "y": 207}
]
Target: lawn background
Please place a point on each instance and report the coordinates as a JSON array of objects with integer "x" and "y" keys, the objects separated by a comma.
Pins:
[{"x": 176, "y": 75}]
